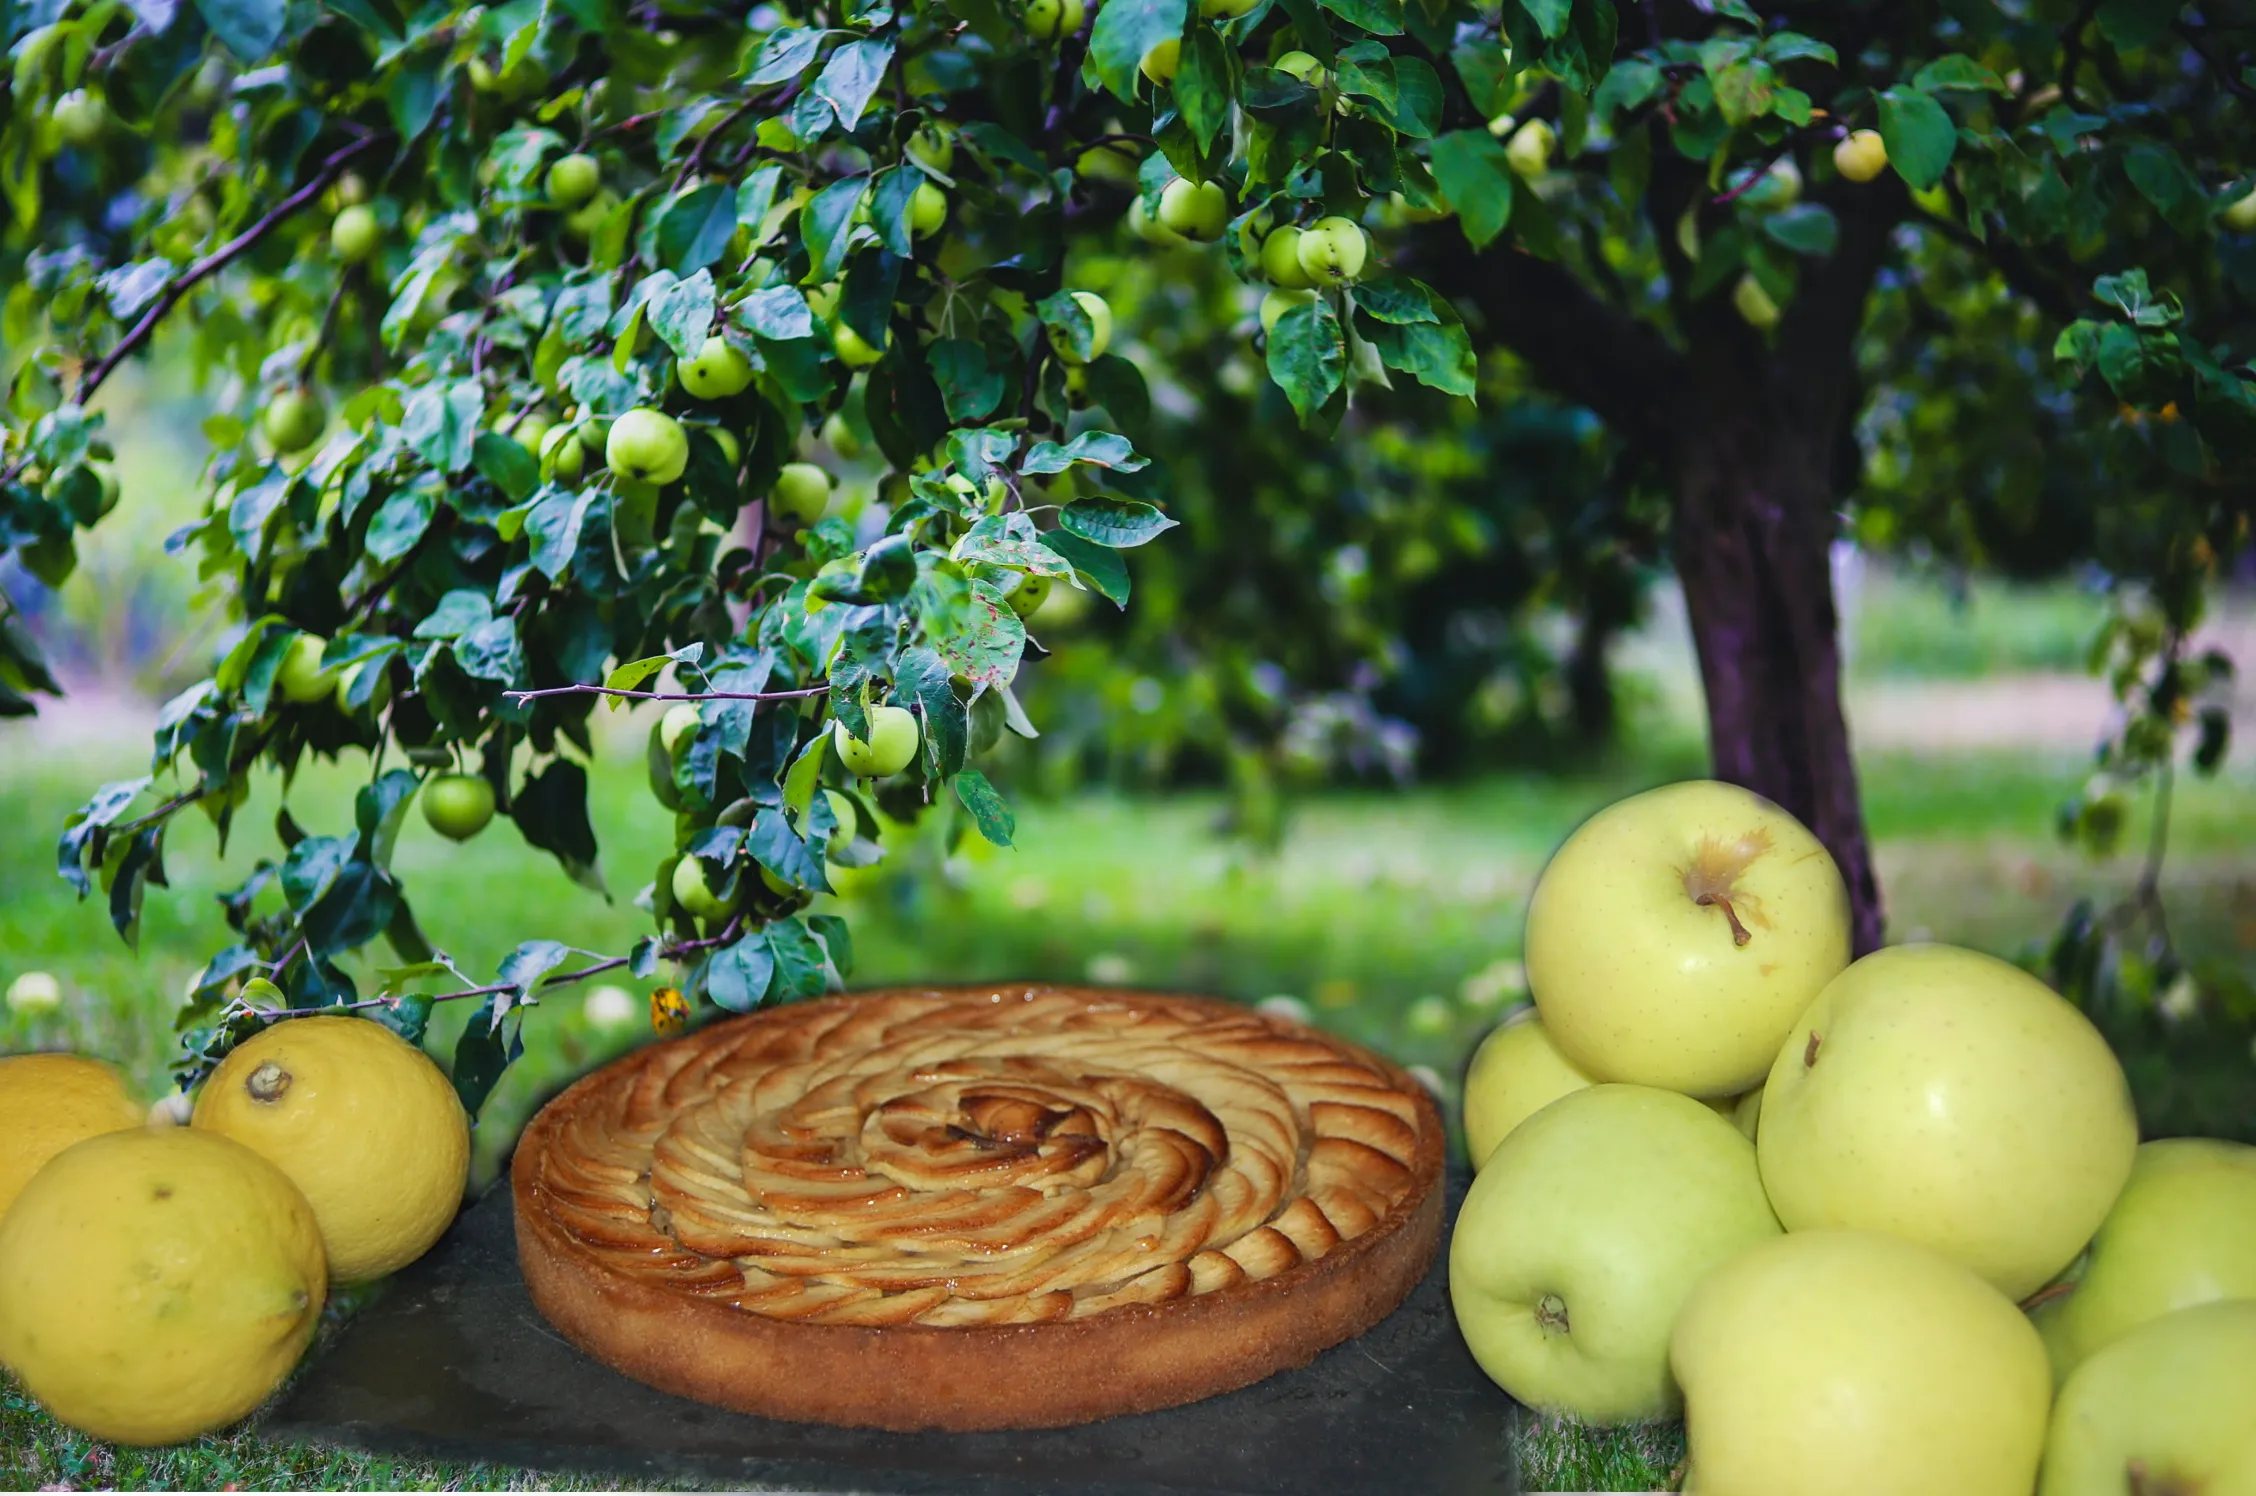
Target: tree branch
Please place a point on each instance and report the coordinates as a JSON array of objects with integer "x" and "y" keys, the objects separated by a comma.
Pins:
[
  {"x": 219, "y": 259},
  {"x": 1595, "y": 354},
  {"x": 820, "y": 690},
  {"x": 2193, "y": 35},
  {"x": 674, "y": 952}
]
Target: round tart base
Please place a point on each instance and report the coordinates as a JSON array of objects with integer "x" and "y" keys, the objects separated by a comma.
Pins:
[{"x": 1132, "y": 1358}]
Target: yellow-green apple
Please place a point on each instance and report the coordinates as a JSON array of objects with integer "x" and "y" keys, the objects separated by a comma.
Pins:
[
  {"x": 1280, "y": 259},
  {"x": 648, "y": 446},
  {"x": 300, "y": 677},
  {"x": 1279, "y": 302},
  {"x": 1196, "y": 210},
  {"x": 1747, "y": 1112},
  {"x": 573, "y": 179},
  {"x": 2168, "y": 1410},
  {"x": 801, "y": 493},
  {"x": 1861, "y": 155},
  {"x": 695, "y": 895},
  {"x": 1825, "y": 1362},
  {"x": 892, "y": 742},
  {"x": 1676, "y": 936},
  {"x": 1581, "y": 1237},
  {"x": 1331, "y": 251},
  {"x": 458, "y": 806},
  {"x": 719, "y": 370},
  {"x": 1516, "y": 1072},
  {"x": 1949, "y": 1098},
  {"x": 1099, "y": 313},
  {"x": 2241, "y": 215},
  {"x": 2183, "y": 1232}
]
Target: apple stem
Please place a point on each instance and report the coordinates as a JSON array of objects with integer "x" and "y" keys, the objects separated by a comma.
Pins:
[
  {"x": 2046, "y": 1295},
  {"x": 1809, "y": 1050},
  {"x": 1739, "y": 932}
]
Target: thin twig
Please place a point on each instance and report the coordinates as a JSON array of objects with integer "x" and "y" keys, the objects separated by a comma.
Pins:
[
  {"x": 673, "y": 952},
  {"x": 821, "y": 690},
  {"x": 210, "y": 265},
  {"x": 219, "y": 259},
  {"x": 328, "y": 322},
  {"x": 696, "y": 161},
  {"x": 2224, "y": 72}
]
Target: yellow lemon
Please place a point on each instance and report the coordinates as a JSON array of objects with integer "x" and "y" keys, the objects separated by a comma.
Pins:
[
  {"x": 47, "y": 1103},
  {"x": 362, "y": 1122},
  {"x": 157, "y": 1284}
]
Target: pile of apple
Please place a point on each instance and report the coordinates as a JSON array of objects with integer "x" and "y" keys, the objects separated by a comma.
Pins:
[{"x": 1873, "y": 1227}]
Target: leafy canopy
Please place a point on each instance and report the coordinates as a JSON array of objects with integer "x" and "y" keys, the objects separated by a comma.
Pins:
[{"x": 870, "y": 211}]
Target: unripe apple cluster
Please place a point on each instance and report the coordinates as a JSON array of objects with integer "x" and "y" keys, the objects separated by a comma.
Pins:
[{"x": 1724, "y": 1169}]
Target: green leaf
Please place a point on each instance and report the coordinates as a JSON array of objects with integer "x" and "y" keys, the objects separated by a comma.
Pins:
[
  {"x": 441, "y": 423},
  {"x": 1105, "y": 449},
  {"x": 694, "y": 229},
  {"x": 1124, "y": 33},
  {"x": 1065, "y": 317},
  {"x": 1119, "y": 523},
  {"x": 738, "y": 976},
  {"x": 970, "y": 386},
  {"x": 825, "y": 224},
  {"x": 1791, "y": 46},
  {"x": 798, "y": 961},
  {"x": 491, "y": 651},
  {"x": 1743, "y": 90},
  {"x": 2130, "y": 25},
  {"x": 1416, "y": 111},
  {"x": 785, "y": 54},
  {"x": 851, "y": 78},
  {"x": 681, "y": 313},
  {"x": 247, "y": 28},
  {"x": 1397, "y": 299},
  {"x": 1805, "y": 228},
  {"x": 523, "y": 969},
  {"x": 1205, "y": 83},
  {"x": 1308, "y": 357},
  {"x": 1957, "y": 70},
  {"x": 837, "y": 939},
  {"x": 782, "y": 851},
  {"x": 988, "y": 812},
  {"x": 973, "y": 631},
  {"x": 482, "y": 1054},
  {"x": 1919, "y": 135},
  {"x": 1473, "y": 170},
  {"x": 506, "y": 464},
  {"x": 631, "y": 675},
  {"x": 1437, "y": 354},
  {"x": 401, "y": 523},
  {"x": 2163, "y": 180},
  {"x": 1101, "y": 567},
  {"x": 921, "y": 679},
  {"x": 1381, "y": 17},
  {"x": 551, "y": 813},
  {"x": 457, "y": 613}
]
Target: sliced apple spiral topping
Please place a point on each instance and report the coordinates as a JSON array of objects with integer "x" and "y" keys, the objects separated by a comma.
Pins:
[{"x": 983, "y": 1157}]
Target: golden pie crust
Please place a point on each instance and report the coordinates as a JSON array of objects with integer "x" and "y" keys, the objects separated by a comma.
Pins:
[{"x": 987, "y": 1207}]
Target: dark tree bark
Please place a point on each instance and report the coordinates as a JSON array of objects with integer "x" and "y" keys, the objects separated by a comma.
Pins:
[{"x": 1751, "y": 434}]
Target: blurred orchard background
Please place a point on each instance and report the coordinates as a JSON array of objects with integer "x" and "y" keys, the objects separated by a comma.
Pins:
[{"x": 1360, "y": 696}]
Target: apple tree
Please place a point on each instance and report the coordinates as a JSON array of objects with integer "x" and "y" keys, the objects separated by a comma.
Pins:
[{"x": 535, "y": 323}]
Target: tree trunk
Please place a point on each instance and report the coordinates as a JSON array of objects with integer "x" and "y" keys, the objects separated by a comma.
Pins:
[
  {"x": 1753, "y": 539},
  {"x": 1753, "y": 433}
]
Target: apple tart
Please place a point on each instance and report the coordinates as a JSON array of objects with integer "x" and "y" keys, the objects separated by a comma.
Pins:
[{"x": 978, "y": 1207}]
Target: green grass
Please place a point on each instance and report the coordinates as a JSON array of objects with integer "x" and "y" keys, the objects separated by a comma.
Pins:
[
  {"x": 1394, "y": 917},
  {"x": 1913, "y": 624}
]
